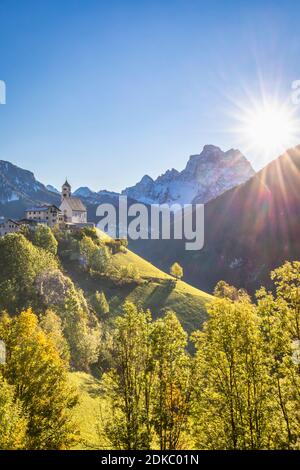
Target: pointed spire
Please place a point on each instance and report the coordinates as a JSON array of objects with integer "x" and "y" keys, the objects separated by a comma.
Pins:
[{"x": 66, "y": 190}]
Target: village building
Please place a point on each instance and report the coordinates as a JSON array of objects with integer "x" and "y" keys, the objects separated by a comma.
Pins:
[
  {"x": 9, "y": 226},
  {"x": 47, "y": 214},
  {"x": 72, "y": 208},
  {"x": 72, "y": 215}
]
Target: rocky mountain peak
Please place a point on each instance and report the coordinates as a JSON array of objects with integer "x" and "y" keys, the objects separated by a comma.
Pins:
[
  {"x": 206, "y": 175},
  {"x": 19, "y": 184}
]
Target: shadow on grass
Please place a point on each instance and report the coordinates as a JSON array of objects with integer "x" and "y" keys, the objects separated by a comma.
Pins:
[
  {"x": 158, "y": 297},
  {"x": 91, "y": 386}
]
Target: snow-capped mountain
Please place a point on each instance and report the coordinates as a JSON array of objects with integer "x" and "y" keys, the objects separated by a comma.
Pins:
[
  {"x": 206, "y": 176},
  {"x": 17, "y": 184},
  {"x": 93, "y": 197},
  {"x": 52, "y": 189}
]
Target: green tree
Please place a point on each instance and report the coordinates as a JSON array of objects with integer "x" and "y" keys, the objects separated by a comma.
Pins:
[
  {"x": 13, "y": 424},
  {"x": 80, "y": 327},
  {"x": 95, "y": 257},
  {"x": 224, "y": 290},
  {"x": 127, "y": 274},
  {"x": 234, "y": 401},
  {"x": 51, "y": 324},
  {"x": 280, "y": 317},
  {"x": 43, "y": 237},
  {"x": 20, "y": 263},
  {"x": 39, "y": 376},
  {"x": 128, "y": 384},
  {"x": 100, "y": 303},
  {"x": 173, "y": 390},
  {"x": 176, "y": 271}
]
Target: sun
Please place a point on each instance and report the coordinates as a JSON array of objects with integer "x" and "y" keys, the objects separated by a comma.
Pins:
[{"x": 269, "y": 128}]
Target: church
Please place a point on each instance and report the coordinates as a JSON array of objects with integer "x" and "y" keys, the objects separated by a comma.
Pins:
[{"x": 72, "y": 208}]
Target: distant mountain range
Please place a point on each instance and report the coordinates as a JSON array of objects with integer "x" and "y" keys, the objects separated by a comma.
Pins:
[
  {"x": 250, "y": 227},
  {"x": 249, "y": 230},
  {"x": 205, "y": 177}
]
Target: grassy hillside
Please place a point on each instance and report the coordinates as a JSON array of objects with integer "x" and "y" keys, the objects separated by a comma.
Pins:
[
  {"x": 154, "y": 291},
  {"x": 89, "y": 412}
]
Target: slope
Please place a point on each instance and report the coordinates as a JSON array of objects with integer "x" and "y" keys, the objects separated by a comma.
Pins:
[{"x": 156, "y": 290}]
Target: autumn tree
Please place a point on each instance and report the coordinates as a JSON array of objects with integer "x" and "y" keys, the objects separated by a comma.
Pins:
[
  {"x": 39, "y": 377},
  {"x": 174, "y": 382},
  {"x": 234, "y": 401},
  {"x": 225, "y": 290},
  {"x": 176, "y": 271},
  {"x": 79, "y": 326},
  {"x": 51, "y": 324},
  {"x": 128, "y": 384},
  {"x": 127, "y": 274},
  {"x": 13, "y": 423},
  {"x": 280, "y": 318},
  {"x": 150, "y": 383}
]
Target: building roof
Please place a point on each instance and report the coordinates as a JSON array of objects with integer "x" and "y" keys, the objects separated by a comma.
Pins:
[
  {"x": 28, "y": 221},
  {"x": 44, "y": 207},
  {"x": 75, "y": 204},
  {"x": 67, "y": 184},
  {"x": 10, "y": 220}
]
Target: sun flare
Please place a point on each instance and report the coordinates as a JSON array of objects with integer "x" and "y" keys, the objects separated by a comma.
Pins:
[{"x": 269, "y": 128}]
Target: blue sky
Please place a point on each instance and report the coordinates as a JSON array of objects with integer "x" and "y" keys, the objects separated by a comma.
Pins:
[{"x": 106, "y": 91}]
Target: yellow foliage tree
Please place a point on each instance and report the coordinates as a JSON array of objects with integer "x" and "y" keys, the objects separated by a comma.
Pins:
[
  {"x": 39, "y": 376},
  {"x": 176, "y": 271}
]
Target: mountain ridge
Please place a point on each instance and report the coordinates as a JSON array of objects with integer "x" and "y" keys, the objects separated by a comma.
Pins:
[
  {"x": 205, "y": 176},
  {"x": 249, "y": 230}
]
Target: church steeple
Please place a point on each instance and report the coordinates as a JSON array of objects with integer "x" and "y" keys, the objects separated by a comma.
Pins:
[{"x": 65, "y": 190}]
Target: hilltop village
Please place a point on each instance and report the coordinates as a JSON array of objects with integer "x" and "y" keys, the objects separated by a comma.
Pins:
[{"x": 71, "y": 214}]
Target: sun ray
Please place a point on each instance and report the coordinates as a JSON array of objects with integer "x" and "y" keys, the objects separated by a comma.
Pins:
[{"x": 266, "y": 127}]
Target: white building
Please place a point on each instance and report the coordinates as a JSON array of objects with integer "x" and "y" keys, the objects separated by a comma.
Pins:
[
  {"x": 72, "y": 208},
  {"x": 46, "y": 214}
]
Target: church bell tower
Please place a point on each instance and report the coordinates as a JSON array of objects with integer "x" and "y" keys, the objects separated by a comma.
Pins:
[{"x": 65, "y": 191}]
